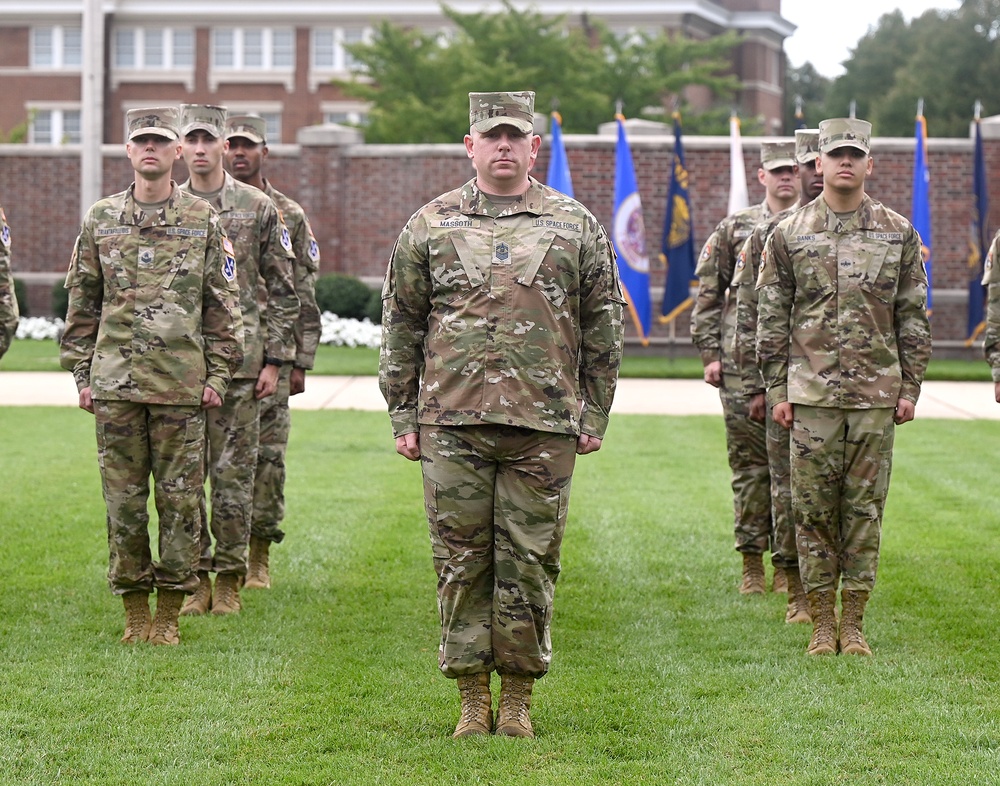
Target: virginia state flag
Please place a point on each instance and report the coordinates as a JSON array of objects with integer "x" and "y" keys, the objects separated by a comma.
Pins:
[
  {"x": 628, "y": 233},
  {"x": 979, "y": 240},
  {"x": 558, "y": 176},
  {"x": 677, "y": 247},
  {"x": 921, "y": 215}
]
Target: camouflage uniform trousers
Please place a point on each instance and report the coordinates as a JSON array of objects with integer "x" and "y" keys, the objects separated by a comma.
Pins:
[
  {"x": 269, "y": 481},
  {"x": 231, "y": 457},
  {"x": 841, "y": 462},
  {"x": 134, "y": 440},
  {"x": 784, "y": 552},
  {"x": 746, "y": 441},
  {"x": 496, "y": 500}
]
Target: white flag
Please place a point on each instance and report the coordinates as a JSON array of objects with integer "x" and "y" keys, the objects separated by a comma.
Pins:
[{"x": 738, "y": 196}]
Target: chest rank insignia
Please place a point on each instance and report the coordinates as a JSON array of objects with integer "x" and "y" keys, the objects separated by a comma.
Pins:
[
  {"x": 146, "y": 257},
  {"x": 502, "y": 253}
]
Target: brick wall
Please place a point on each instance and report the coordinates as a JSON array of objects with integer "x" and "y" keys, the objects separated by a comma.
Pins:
[{"x": 359, "y": 196}]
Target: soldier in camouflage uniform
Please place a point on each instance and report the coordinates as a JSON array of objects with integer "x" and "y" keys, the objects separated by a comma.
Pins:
[
  {"x": 843, "y": 341},
  {"x": 264, "y": 255},
  {"x": 784, "y": 554},
  {"x": 991, "y": 337},
  {"x": 502, "y": 338},
  {"x": 8, "y": 302},
  {"x": 246, "y": 135},
  {"x": 152, "y": 337},
  {"x": 712, "y": 325}
]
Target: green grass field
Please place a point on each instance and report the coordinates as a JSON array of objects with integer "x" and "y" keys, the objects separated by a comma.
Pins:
[
  {"x": 662, "y": 672},
  {"x": 361, "y": 361}
]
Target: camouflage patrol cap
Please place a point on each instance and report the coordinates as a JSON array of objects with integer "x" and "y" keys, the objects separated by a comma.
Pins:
[
  {"x": 158, "y": 120},
  {"x": 845, "y": 132},
  {"x": 203, "y": 116},
  {"x": 777, "y": 154},
  {"x": 489, "y": 110},
  {"x": 806, "y": 144},
  {"x": 250, "y": 127}
]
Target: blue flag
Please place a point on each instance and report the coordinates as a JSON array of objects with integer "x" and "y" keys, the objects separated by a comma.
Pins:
[
  {"x": 628, "y": 233},
  {"x": 559, "y": 177},
  {"x": 979, "y": 241},
  {"x": 921, "y": 215},
  {"x": 677, "y": 247}
]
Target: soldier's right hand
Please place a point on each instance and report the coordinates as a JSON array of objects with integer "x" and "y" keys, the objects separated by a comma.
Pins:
[
  {"x": 408, "y": 446},
  {"x": 713, "y": 373},
  {"x": 210, "y": 399},
  {"x": 783, "y": 414},
  {"x": 996, "y": 391},
  {"x": 86, "y": 400}
]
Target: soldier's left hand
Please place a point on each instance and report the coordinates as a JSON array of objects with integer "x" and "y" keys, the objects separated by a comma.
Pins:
[
  {"x": 86, "y": 400},
  {"x": 905, "y": 410},
  {"x": 210, "y": 399},
  {"x": 758, "y": 408},
  {"x": 297, "y": 382},
  {"x": 267, "y": 382},
  {"x": 587, "y": 443}
]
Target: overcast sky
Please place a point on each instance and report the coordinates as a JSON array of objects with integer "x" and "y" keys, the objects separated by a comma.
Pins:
[{"x": 827, "y": 32}]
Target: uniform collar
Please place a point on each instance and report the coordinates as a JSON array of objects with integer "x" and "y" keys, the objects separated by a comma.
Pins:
[
  {"x": 476, "y": 203},
  {"x": 168, "y": 215}
]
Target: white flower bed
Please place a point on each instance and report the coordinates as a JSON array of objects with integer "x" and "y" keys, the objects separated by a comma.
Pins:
[{"x": 335, "y": 331}]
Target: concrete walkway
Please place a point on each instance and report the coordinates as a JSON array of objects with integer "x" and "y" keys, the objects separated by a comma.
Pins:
[{"x": 959, "y": 400}]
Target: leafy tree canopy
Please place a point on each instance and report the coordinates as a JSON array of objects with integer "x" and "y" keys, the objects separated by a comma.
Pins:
[{"x": 417, "y": 82}]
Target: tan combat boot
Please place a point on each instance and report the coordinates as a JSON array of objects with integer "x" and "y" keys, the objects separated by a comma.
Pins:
[
  {"x": 477, "y": 706},
  {"x": 258, "y": 576},
  {"x": 852, "y": 640},
  {"x": 798, "y": 606},
  {"x": 168, "y": 608},
  {"x": 137, "y": 617},
  {"x": 227, "y": 594},
  {"x": 780, "y": 582},
  {"x": 515, "y": 702},
  {"x": 753, "y": 574},
  {"x": 821, "y": 609},
  {"x": 201, "y": 601}
]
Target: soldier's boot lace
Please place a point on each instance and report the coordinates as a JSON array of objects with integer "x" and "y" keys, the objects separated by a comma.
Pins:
[
  {"x": 798, "y": 607},
  {"x": 477, "y": 706},
  {"x": 852, "y": 639},
  {"x": 201, "y": 601},
  {"x": 258, "y": 573},
  {"x": 227, "y": 594},
  {"x": 821, "y": 609},
  {"x": 513, "y": 719},
  {"x": 780, "y": 581},
  {"x": 168, "y": 608},
  {"x": 753, "y": 574},
  {"x": 137, "y": 618}
]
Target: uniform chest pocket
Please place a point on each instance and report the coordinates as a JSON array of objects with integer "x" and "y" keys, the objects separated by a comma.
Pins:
[
  {"x": 882, "y": 272},
  {"x": 454, "y": 275},
  {"x": 552, "y": 268},
  {"x": 113, "y": 266},
  {"x": 812, "y": 273}
]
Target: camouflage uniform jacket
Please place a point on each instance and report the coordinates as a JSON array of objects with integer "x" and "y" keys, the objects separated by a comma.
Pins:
[
  {"x": 842, "y": 313},
  {"x": 8, "y": 300},
  {"x": 509, "y": 316},
  {"x": 305, "y": 268},
  {"x": 991, "y": 280},
  {"x": 264, "y": 257},
  {"x": 153, "y": 304},
  {"x": 744, "y": 348},
  {"x": 713, "y": 316}
]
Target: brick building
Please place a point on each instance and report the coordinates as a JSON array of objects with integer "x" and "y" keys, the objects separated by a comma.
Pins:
[{"x": 278, "y": 59}]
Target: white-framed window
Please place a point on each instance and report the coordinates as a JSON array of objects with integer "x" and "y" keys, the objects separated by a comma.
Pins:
[
  {"x": 56, "y": 46},
  {"x": 353, "y": 113},
  {"x": 329, "y": 48},
  {"x": 253, "y": 48},
  {"x": 153, "y": 48},
  {"x": 54, "y": 125}
]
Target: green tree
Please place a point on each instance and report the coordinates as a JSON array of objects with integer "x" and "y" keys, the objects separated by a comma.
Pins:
[
  {"x": 807, "y": 84},
  {"x": 416, "y": 82}
]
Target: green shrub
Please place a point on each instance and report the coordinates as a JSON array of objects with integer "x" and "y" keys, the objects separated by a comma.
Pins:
[
  {"x": 60, "y": 300},
  {"x": 374, "y": 310},
  {"x": 343, "y": 295},
  {"x": 21, "y": 295}
]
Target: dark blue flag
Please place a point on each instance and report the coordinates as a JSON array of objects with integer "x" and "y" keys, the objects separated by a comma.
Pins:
[
  {"x": 979, "y": 241},
  {"x": 677, "y": 247},
  {"x": 558, "y": 177},
  {"x": 628, "y": 233},
  {"x": 921, "y": 215}
]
